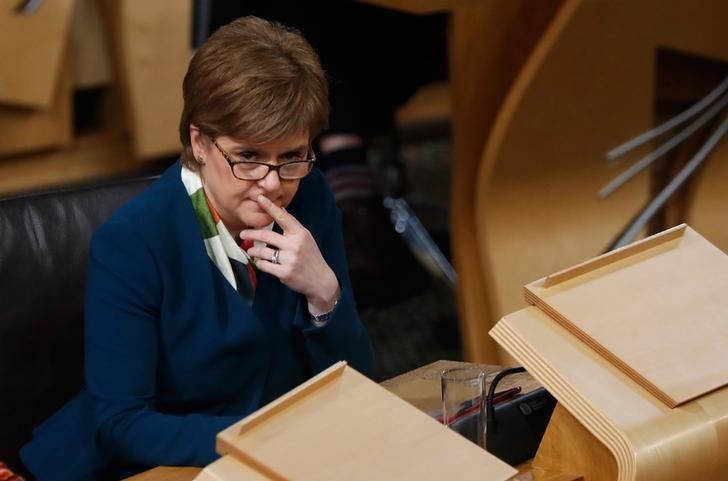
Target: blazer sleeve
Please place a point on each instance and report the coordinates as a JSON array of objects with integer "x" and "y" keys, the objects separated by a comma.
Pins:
[
  {"x": 343, "y": 337},
  {"x": 123, "y": 296}
]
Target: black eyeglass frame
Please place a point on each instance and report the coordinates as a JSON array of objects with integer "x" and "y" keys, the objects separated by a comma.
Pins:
[{"x": 276, "y": 167}]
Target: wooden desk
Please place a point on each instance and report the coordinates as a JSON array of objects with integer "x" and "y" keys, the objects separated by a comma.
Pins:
[{"x": 420, "y": 387}]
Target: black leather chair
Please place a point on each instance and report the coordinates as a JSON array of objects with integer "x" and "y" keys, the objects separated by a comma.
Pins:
[{"x": 44, "y": 241}]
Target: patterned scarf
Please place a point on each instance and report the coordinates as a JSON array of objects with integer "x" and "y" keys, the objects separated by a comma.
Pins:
[{"x": 233, "y": 262}]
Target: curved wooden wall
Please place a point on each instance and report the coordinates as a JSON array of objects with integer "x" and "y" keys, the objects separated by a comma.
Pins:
[
  {"x": 587, "y": 86},
  {"x": 489, "y": 42}
]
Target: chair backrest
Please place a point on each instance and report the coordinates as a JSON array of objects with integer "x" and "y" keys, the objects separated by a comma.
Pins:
[{"x": 44, "y": 243}]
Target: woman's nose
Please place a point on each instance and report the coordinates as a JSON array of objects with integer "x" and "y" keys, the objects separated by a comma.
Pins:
[{"x": 271, "y": 181}]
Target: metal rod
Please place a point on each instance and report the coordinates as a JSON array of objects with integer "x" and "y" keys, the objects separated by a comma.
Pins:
[
  {"x": 28, "y": 7},
  {"x": 673, "y": 122},
  {"x": 631, "y": 233},
  {"x": 673, "y": 142},
  {"x": 408, "y": 225}
]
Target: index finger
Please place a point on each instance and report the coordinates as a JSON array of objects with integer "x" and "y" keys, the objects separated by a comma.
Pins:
[{"x": 279, "y": 214}]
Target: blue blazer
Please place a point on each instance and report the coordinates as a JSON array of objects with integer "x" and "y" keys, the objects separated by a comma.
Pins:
[{"x": 173, "y": 353}]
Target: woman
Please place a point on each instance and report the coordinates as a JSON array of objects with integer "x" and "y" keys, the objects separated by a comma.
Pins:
[{"x": 187, "y": 331}]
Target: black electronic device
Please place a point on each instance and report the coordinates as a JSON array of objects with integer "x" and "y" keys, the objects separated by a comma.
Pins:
[{"x": 514, "y": 428}]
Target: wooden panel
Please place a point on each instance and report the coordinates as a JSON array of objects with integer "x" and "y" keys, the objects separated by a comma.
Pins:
[
  {"x": 588, "y": 86},
  {"x": 152, "y": 51},
  {"x": 567, "y": 446},
  {"x": 361, "y": 432},
  {"x": 229, "y": 468},
  {"x": 489, "y": 42},
  {"x": 91, "y": 57},
  {"x": 420, "y": 388},
  {"x": 648, "y": 440},
  {"x": 657, "y": 309},
  {"x": 25, "y": 130},
  {"x": 543, "y": 164},
  {"x": 31, "y": 52},
  {"x": 166, "y": 474},
  {"x": 87, "y": 159},
  {"x": 709, "y": 204},
  {"x": 431, "y": 103}
]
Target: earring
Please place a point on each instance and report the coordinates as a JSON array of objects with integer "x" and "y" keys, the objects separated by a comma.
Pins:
[{"x": 200, "y": 160}]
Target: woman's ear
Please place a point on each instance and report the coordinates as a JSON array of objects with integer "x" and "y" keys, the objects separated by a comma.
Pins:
[
  {"x": 198, "y": 144},
  {"x": 196, "y": 141}
]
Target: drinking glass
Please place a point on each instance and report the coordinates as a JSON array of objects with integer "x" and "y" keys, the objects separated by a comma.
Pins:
[{"x": 463, "y": 402}]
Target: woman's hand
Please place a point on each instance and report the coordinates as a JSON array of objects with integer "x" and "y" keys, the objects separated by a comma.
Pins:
[{"x": 300, "y": 264}]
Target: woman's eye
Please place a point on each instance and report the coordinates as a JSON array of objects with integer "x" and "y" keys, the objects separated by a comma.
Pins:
[
  {"x": 294, "y": 156},
  {"x": 247, "y": 155}
]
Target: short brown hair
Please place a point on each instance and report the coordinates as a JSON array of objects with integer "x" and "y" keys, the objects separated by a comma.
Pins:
[{"x": 254, "y": 80}]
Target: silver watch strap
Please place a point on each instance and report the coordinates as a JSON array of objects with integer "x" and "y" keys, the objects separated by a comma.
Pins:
[{"x": 321, "y": 319}]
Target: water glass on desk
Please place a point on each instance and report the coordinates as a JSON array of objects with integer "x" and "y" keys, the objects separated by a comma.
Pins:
[{"x": 463, "y": 406}]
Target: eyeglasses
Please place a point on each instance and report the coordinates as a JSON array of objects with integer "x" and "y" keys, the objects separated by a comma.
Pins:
[{"x": 253, "y": 170}]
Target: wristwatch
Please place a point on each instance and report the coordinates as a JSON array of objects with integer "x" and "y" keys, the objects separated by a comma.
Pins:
[{"x": 321, "y": 319}]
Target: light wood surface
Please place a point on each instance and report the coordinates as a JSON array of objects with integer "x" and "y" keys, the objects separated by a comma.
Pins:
[
  {"x": 611, "y": 257},
  {"x": 657, "y": 309},
  {"x": 429, "y": 104},
  {"x": 167, "y": 473},
  {"x": 89, "y": 44},
  {"x": 362, "y": 432},
  {"x": 536, "y": 206},
  {"x": 230, "y": 468},
  {"x": 709, "y": 202},
  {"x": 588, "y": 86},
  {"x": 92, "y": 157},
  {"x": 540, "y": 92},
  {"x": 152, "y": 49},
  {"x": 26, "y": 130},
  {"x": 648, "y": 440},
  {"x": 420, "y": 388},
  {"x": 567, "y": 446},
  {"x": 31, "y": 52},
  {"x": 488, "y": 44}
]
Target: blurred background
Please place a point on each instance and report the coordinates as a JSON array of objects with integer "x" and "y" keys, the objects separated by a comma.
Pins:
[{"x": 489, "y": 118}]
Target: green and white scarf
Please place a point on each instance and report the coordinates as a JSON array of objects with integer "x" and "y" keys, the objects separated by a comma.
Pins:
[{"x": 221, "y": 247}]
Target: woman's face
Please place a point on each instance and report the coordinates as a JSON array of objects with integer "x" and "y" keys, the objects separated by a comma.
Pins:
[{"x": 235, "y": 199}]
